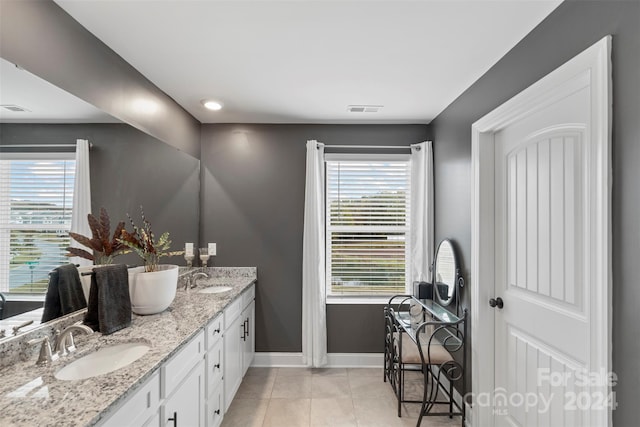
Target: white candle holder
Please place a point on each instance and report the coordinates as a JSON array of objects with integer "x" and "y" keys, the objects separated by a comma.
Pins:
[
  {"x": 204, "y": 256},
  {"x": 189, "y": 258}
]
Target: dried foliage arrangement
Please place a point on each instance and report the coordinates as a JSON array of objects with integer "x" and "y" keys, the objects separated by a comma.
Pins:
[
  {"x": 142, "y": 242},
  {"x": 103, "y": 247}
]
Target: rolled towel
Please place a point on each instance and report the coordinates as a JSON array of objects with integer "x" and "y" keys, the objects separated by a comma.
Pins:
[
  {"x": 109, "y": 307},
  {"x": 64, "y": 293}
]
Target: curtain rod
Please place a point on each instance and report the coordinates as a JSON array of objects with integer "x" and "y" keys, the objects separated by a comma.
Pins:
[
  {"x": 382, "y": 147},
  {"x": 41, "y": 145}
]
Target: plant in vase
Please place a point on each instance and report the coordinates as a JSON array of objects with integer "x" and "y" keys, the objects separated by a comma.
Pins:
[
  {"x": 142, "y": 242},
  {"x": 103, "y": 247},
  {"x": 153, "y": 287}
]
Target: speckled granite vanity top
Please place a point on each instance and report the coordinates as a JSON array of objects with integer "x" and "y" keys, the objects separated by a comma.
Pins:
[{"x": 31, "y": 396}]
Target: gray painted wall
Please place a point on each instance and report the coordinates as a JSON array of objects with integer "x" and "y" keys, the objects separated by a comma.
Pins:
[
  {"x": 571, "y": 28},
  {"x": 43, "y": 39},
  {"x": 130, "y": 168},
  {"x": 252, "y": 206}
]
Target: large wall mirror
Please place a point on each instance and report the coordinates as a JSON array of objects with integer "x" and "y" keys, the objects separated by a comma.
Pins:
[{"x": 128, "y": 167}]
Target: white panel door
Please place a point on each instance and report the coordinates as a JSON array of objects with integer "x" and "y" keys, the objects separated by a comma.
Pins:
[
  {"x": 542, "y": 271},
  {"x": 541, "y": 243}
]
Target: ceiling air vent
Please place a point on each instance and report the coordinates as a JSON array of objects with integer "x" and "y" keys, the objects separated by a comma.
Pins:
[
  {"x": 364, "y": 108},
  {"x": 15, "y": 108}
]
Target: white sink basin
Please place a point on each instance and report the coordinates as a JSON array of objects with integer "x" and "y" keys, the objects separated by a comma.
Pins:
[
  {"x": 215, "y": 289},
  {"x": 107, "y": 359}
]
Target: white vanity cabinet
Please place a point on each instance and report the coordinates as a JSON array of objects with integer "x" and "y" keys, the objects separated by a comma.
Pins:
[
  {"x": 182, "y": 386},
  {"x": 195, "y": 387},
  {"x": 139, "y": 409},
  {"x": 239, "y": 343}
]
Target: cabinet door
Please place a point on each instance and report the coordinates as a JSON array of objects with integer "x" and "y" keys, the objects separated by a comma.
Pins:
[
  {"x": 153, "y": 421},
  {"x": 248, "y": 341},
  {"x": 185, "y": 406},
  {"x": 139, "y": 407},
  {"x": 232, "y": 359}
]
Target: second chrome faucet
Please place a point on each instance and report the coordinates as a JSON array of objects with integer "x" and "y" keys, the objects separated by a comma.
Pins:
[{"x": 64, "y": 341}]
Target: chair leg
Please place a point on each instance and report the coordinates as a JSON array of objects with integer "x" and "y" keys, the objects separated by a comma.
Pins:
[
  {"x": 400, "y": 388},
  {"x": 384, "y": 368},
  {"x": 424, "y": 396},
  {"x": 450, "y": 398}
]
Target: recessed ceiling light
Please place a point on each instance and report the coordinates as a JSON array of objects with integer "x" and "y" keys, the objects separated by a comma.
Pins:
[{"x": 210, "y": 104}]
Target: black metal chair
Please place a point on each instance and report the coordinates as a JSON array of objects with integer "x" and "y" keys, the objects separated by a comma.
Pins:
[
  {"x": 442, "y": 353},
  {"x": 400, "y": 352}
]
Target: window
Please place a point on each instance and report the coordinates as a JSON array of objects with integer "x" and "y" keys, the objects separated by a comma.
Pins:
[
  {"x": 367, "y": 225},
  {"x": 36, "y": 199}
]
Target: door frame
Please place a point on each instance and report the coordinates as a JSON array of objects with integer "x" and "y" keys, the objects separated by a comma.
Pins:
[{"x": 596, "y": 59}]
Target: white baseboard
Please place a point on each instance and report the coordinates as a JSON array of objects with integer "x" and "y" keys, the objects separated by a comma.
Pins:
[
  {"x": 277, "y": 360},
  {"x": 335, "y": 360},
  {"x": 355, "y": 360}
]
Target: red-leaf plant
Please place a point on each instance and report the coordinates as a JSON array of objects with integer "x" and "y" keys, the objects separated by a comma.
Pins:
[{"x": 103, "y": 248}]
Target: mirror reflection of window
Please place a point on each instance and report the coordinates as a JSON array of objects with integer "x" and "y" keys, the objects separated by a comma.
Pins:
[{"x": 36, "y": 201}]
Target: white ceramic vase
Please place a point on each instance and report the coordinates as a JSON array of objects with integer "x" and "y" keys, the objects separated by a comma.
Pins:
[{"x": 152, "y": 292}]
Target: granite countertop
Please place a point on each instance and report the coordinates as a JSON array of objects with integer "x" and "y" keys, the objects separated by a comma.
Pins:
[{"x": 30, "y": 395}]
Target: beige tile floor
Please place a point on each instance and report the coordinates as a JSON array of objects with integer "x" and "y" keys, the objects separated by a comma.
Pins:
[{"x": 298, "y": 397}]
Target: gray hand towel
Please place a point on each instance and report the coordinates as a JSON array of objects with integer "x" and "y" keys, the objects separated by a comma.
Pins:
[
  {"x": 64, "y": 293},
  {"x": 109, "y": 302}
]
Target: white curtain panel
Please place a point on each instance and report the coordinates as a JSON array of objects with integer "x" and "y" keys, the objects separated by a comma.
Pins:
[
  {"x": 314, "y": 319},
  {"x": 81, "y": 198},
  {"x": 421, "y": 236}
]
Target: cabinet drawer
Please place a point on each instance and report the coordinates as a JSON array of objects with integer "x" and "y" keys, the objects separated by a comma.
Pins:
[
  {"x": 176, "y": 369},
  {"x": 215, "y": 367},
  {"x": 232, "y": 312},
  {"x": 215, "y": 410},
  {"x": 214, "y": 330},
  {"x": 139, "y": 407},
  {"x": 248, "y": 295}
]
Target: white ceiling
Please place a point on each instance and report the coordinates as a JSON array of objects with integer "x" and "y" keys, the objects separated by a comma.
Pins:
[
  {"x": 301, "y": 61},
  {"x": 45, "y": 102}
]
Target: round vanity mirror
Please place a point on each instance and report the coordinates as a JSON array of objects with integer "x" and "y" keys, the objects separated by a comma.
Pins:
[{"x": 445, "y": 273}]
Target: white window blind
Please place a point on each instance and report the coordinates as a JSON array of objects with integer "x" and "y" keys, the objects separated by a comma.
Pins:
[
  {"x": 36, "y": 199},
  {"x": 367, "y": 216}
]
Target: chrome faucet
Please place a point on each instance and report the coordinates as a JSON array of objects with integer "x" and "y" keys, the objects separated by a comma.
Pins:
[
  {"x": 198, "y": 275},
  {"x": 46, "y": 356},
  {"x": 192, "y": 281},
  {"x": 64, "y": 340}
]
